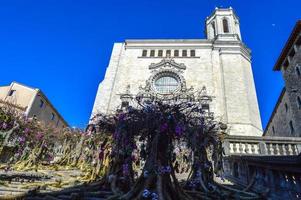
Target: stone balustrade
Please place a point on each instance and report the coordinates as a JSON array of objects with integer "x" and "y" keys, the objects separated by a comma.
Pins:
[
  {"x": 272, "y": 146},
  {"x": 270, "y": 166}
]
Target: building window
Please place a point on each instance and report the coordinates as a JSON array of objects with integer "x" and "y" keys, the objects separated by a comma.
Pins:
[
  {"x": 41, "y": 103},
  {"x": 144, "y": 53},
  {"x": 160, "y": 53},
  {"x": 184, "y": 53},
  {"x": 205, "y": 107},
  {"x": 286, "y": 107},
  {"x": 166, "y": 84},
  {"x": 225, "y": 26},
  {"x": 298, "y": 71},
  {"x": 176, "y": 53},
  {"x": 11, "y": 92},
  {"x": 291, "y": 127},
  {"x": 152, "y": 53},
  {"x": 299, "y": 102},
  {"x": 125, "y": 104},
  {"x": 192, "y": 53},
  {"x": 52, "y": 116},
  {"x": 168, "y": 53},
  {"x": 273, "y": 129}
]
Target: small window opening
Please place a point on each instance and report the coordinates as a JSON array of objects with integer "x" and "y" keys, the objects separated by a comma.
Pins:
[
  {"x": 124, "y": 104},
  {"x": 192, "y": 53},
  {"x": 286, "y": 107},
  {"x": 144, "y": 53},
  {"x": 225, "y": 26},
  {"x": 41, "y": 103},
  {"x": 273, "y": 129},
  {"x": 184, "y": 53},
  {"x": 168, "y": 53},
  {"x": 52, "y": 116},
  {"x": 11, "y": 92},
  {"x": 176, "y": 53},
  {"x": 205, "y": 107},
  {"x": 160, "y": 53},
  {"x": 152, "y": 53}
]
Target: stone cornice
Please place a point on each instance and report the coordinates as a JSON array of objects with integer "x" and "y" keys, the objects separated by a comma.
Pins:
[
  {"x": 234, "y": 47},
  {"x": 163, "y": 43}
]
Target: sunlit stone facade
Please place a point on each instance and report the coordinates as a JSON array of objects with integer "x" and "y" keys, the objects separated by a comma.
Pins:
[{"x": 220, "y": 63}]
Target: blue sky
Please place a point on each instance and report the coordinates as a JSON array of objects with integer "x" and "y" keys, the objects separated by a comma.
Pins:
[{"x": 63, "y": 46}]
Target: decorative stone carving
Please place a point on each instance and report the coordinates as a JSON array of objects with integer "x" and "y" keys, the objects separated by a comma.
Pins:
[{"x": 167, "y": 63}]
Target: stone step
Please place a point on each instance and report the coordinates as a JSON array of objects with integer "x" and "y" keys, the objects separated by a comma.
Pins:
[{"x": 12, "y": 189}]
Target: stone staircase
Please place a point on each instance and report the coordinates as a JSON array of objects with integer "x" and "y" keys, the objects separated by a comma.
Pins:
[{"x": 38, "y": 186}]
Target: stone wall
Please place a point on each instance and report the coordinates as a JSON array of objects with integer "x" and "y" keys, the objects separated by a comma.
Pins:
[{"x": 286, "y": 117}]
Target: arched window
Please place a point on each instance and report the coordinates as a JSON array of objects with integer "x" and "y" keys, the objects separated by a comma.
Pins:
[{"x": 225, "y": 25}]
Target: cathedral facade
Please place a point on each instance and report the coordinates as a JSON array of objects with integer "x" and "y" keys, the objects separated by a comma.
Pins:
[{"x": 220, "y": 65}]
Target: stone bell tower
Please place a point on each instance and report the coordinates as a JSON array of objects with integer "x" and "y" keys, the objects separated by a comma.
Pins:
[{"x": 223, "y": 24}]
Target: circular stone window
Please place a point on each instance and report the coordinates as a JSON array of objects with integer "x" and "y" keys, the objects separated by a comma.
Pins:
[{"x": 166, "y": 83}]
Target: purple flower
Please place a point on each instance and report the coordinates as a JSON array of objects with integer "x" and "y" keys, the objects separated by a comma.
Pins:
[
  {"x": 26, "y": 131},
  {"x": 39, "y": 136},
  {"x": 179, "y": 130},
  {"x": 116, "y": 135},
  {"x": 125, "y": 169},
  {"x": 21, "y": 139},
  {"x": 4, "y": 125},
  {"x": 163, "y": 127},
  {"x": 121, "y": 117}
]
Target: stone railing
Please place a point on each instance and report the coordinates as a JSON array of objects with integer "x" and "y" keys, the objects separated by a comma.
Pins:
[
  {"x": 271, "y": 146},
  {"x": 267, "y": 165}
]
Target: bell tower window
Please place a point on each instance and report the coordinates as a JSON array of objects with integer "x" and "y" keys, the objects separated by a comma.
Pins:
[{"x": 225, "y": 25}]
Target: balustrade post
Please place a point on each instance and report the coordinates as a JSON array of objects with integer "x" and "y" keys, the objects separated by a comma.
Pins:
[
  {"x": 234, "y": 147},
  {"x": 290, "y": 150},
  {"x": 240, "y": 148},
  {"x": 262, "y": 148},
  {"x": 226, "y": 146},
  {"x": 298, "y": 149}
]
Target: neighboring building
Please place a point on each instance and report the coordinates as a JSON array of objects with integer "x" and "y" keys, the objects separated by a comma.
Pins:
[
  {"x": 32, "y": 102},
  {"x": 286, "y": 117},
  {"x": 221, "y": 63}
]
